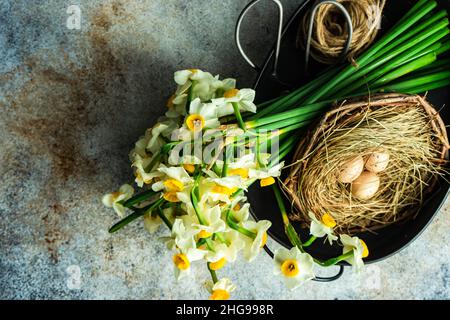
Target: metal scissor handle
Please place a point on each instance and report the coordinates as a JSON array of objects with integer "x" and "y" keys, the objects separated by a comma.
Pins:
[
  {"x": 317, "y": 279},
  {"x": 278, "y": 44},
  {"x": 311, "y": 26}
]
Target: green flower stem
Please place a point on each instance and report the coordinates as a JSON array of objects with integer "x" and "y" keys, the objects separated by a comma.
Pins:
[
  {"x": 225, "y": 165},
  {"x": 288, "y": 228},
  {"x": 137, "y": 199},
  {"x": 309, "y": 242},
  {"x": 258, "y": 154},
  {"x": 194, "y": 201},
  {"x": 333, "y": 261},
  {"x": 136, "y": 214},
  {"x": 190, "y": 95},
  {"x": 238, "y": 115},
  {"x": 213, "y": 273},
  {"x": 200, "y": 217},
  {"x": 164, "y": 218}
]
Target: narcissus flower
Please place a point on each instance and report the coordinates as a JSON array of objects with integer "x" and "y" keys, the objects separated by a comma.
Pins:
[
  {"x": 323, "y": 228},
  {"x": 254, "y": 246},
  {"x": 266, "y": 175},
  {"x": 244, "y": 98},
  {"x": 359, "y": 248},
  {"x": 295, "y": 267},
  {"x": 142, "y": 176},
  {"x": 182, "y": 240},
  {"x": 112, "y": 200},
  {"x": 222, "y": 289}
]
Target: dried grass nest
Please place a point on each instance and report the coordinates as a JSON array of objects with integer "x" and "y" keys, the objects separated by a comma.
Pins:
[{"x": 407, "y": 127}]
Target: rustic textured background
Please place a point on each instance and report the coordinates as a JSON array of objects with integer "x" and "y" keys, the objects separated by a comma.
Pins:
[{"x": 72, "y": 104}]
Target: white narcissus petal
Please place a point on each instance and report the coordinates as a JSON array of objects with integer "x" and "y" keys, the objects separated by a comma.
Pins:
[
  {"x": 228, "y": 84},
  {"x": 212, "y": 123},
  {"x": 195, "y": 106},
  {"x": 274, "y": 171},
  {"x": 181, "y": 274},
  {"x": 353, "y": 244},
  {"x": 246, "y": 94},
  {"x": 229, "y": 182},
  {"x": 181, "y": 134},
  {"x": 248, "y": 106},
  {"x": 178, "y": 173},
  {"x": 208, "y": 111},
  {"x": 253, "y": 247},
  {"x": 224, "y": 284},
  {"x": 108, "y": 200}
]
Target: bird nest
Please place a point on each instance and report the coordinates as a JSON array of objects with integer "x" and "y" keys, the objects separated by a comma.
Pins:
[{"x": 406, "y": 127}]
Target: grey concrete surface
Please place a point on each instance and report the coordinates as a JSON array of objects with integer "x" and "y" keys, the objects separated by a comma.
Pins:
[{"x": 72, "y": 103}]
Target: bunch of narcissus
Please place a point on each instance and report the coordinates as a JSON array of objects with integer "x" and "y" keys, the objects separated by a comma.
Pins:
[{"x": 194, "y": 166}]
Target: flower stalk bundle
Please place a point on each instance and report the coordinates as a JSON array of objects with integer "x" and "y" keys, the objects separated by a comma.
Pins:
[{"x": 195, "y": 164}]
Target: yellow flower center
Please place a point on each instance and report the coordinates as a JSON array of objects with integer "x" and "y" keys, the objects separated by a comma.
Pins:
[
  {"x": 238, "y": 172},
  {"x": 181, "y": 261},
  {"x": 365, "y": 252},
  {"x": 230, "y": 93},
  {"x": 289, "y": 268},
  {"x": 173, "y": 185},
  {"x": 220, "y": 294},
  {"x": 328, "y": 220},
  {"x": 267, "y": 181},
  {"x": 193, "y": 70},
  {"x": 115, "y": 195},
  {"x": 223, "y": 190},
  {"x": 171, "y": 196},
  {"x": 204, "y": 234},
  {"x": 169, "y": 103},
  {"x": 190, "y": 168},
  {"x": 195, "y": 122},
  {"x": 218, "y": 264},
  {"x": 237, "y": 207}
]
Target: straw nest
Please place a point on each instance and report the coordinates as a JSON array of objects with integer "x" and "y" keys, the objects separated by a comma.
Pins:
[{"x": 406, "y": 127}]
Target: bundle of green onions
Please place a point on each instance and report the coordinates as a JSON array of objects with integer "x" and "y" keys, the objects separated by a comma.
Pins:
[
  {"x": 202, "y": 201},
  {"x": 405, "y": 60}
]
